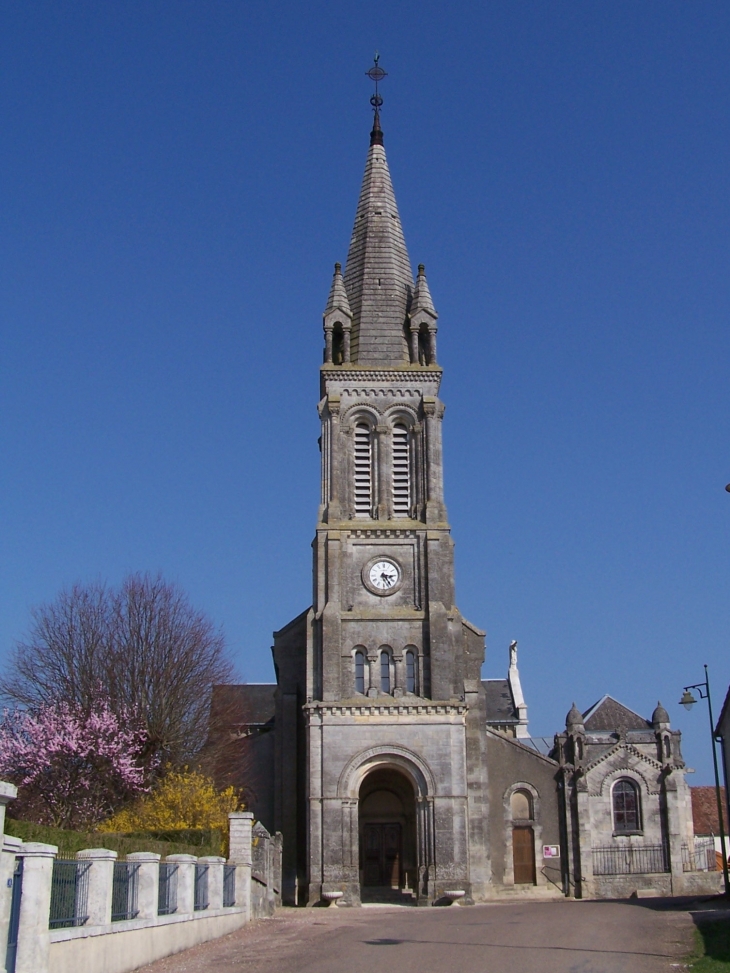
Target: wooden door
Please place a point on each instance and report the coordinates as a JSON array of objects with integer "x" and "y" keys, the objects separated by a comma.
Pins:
[
  {"x": 523, "y": 855},
  {"x": 382, "y": 854}
]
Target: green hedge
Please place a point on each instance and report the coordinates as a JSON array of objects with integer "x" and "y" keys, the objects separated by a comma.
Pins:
[{"x": 188, "y": 842}]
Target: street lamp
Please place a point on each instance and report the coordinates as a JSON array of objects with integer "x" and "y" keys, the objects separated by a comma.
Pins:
[{"x": 688, "y": 701}]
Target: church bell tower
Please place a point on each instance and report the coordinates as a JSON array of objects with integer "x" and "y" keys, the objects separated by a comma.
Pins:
[{"x": 381, "y": 779}]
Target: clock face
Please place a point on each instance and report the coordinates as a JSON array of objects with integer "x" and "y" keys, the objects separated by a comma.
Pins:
[{"x": 384, "y": 575}]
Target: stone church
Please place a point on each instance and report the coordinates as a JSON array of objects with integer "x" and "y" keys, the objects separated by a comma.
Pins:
[{"x": 392, "y": 769}]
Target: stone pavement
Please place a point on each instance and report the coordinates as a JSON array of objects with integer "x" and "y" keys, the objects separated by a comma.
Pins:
[{"x": 522, "y": 937}]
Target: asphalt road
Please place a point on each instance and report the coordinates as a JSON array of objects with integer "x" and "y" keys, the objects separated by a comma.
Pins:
[{"x": 530, "y": 937}]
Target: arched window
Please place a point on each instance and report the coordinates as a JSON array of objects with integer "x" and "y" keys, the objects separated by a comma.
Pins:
[
  {"x": 521, "y": 806},
  {"x": 384, "y": 671},
  {"x": 410, "y": 671},
  {"x": 401, "y": 471},
  {"x": 363, "y": 470},
  {"x": 626, "y": 810},
  {"x": 360, "y": 671}
]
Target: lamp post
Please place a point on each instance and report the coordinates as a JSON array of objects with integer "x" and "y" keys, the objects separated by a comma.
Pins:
[{"x": 688, "y": 701}]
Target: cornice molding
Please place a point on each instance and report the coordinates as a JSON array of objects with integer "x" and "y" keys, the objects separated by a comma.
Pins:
[{"x": 397, "y": 708}]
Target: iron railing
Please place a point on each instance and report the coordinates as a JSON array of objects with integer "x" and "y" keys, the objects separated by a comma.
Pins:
[
  {"x": 167, "y": 895},
  {"x": 229, "y": 886},
  {"x": 702, "y": 859},
  {"x": 201, "y": 887},
  {"x": 124, "y": 891},
  {"x": 69, "y": 894},
  {"x": 631, "y": 860}
]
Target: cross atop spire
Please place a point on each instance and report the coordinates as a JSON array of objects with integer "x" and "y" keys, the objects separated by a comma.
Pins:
[{"x": 376, "y": 75}]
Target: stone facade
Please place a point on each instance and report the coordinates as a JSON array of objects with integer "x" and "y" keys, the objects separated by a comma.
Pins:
[{"x": 387, "y": 763}]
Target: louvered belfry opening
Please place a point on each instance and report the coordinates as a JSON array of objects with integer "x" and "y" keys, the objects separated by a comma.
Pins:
[
  {"x": 363, "y": 470},
  {"x": 401, "y": 472}
]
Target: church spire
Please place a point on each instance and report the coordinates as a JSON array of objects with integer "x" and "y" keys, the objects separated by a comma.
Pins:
[{"x": 378, "y": 276}]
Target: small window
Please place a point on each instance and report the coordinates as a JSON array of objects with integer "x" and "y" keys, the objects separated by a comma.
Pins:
[
  {"x": 626, "y": 817},
  {"x": 360, "y": 671},
  {"x": 410, "y": 671},
  {"x": 521, "y": 806},
  {"x": 385, "y": 672}
]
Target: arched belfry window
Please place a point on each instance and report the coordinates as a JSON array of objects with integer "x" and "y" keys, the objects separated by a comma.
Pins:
[
  {"x": 385, "y": 680},
  {"x": 401, "y": 471},
  {"x": 410, "y": 671},
  {"x": 363, "y": 470},
  {"x": 626, "y": 807},
  {"x": 360, "y": 671}
]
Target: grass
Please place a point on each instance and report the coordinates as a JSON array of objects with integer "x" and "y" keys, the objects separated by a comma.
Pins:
[
  {"x": 69, "y": 842},
  {"x": 712, "y": 947}
]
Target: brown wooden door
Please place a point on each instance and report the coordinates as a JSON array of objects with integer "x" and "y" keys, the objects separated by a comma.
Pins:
[
  {"x": 382, "y": 853},
  {"x": 523, "y": 855}
]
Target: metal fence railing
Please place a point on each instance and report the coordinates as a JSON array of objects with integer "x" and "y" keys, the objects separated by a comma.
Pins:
[
  {"x": 167, "y": 894},
  {"x": 201, "y": 887},
  {"x": 631, "y": 860},
  {"x": 702, "y": 858},
  {"x": 69, "y": 894},
  {"x": 229, "y": 886},
  {"x": 124, "y": 891}
]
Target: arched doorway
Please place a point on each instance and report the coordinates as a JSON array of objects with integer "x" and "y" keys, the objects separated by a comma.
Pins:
[{"x": 387, "y": 839}]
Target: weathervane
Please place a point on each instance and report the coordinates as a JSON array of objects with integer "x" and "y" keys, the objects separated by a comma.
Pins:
[{"x": 376, "y": 75}]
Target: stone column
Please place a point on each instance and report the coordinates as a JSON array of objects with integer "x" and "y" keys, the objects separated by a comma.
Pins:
[
  {"x": 399, "y": 688},
  {"x": 674, "y": 836},
  {"x": 374, "y": 673},
  {"x": 328, "y": 342},
  {"x": 584, "y": 839},
  {"x": 215, "y": 880},
  {"x": 185, "y": 883},
  {"x": 101, "y": 875},
  {"x": 346, "y": 329},
  {"x": 239, "y": 841},
  {"x": 34, "y": 941},
  {"x": 148, "y": 883},
  {"x": 383, "y": 479},
  {"x": 434, "y": 411}
]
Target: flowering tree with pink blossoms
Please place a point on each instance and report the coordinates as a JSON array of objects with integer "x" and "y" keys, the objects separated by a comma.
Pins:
[{"x": 73, "y": 766}]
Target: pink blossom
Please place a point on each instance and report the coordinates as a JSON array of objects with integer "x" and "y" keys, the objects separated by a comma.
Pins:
[{"x": 72, "y": 767}]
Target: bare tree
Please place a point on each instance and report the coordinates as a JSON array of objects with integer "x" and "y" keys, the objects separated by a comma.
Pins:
[{"x": 143, "y": 644}]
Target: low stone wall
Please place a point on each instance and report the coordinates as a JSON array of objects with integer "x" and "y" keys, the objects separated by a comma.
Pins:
[
  {"x": 662, "y": 884},
  {"x": 209, "y": 898},
  {"x": 124, "y": 946}
]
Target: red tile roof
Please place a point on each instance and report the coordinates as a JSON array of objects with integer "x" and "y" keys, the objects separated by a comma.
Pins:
[{"x": 704, "y": 810}]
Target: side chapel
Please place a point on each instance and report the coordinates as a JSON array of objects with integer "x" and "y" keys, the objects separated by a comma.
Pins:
[{"x": 392, "y": 769}]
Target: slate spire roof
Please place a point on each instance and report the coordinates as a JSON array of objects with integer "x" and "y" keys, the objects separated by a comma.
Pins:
[{"x": 378, "y": 277}]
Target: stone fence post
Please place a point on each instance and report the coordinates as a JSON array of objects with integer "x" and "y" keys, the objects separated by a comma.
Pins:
[
  {"x": 9, "y": 848},
  {"x": 101, "y": 878},
  {"x": 240, "y": 824},
  {"x": 34, "y": 941},
  {"x": 185, "y": 883},
  {"x": 148, "y": 883}
]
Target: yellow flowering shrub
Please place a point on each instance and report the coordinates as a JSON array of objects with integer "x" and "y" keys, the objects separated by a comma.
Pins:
[{"x": 182, "y": 799}]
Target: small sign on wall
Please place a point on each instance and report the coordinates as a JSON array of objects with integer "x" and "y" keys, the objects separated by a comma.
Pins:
[{"x": 551, "y": 851}]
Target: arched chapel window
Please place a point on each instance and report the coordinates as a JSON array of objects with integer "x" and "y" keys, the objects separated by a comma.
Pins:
[
  {"x": 360, "y": 671},
  {"x": 385, "y": 671},
  {"x": 626, "y": 810},
  {"x": 410, "y": 671},
  {"x": 521, "y": 806},
  {"x": 363, "y": 470},
  {"x": 401, "y": 471}
]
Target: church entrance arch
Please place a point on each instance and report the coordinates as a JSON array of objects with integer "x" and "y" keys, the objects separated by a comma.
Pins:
[{"x": 387, "y": 831}]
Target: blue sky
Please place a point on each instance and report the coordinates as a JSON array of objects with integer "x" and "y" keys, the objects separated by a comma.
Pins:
[{"x": 177, "y": 181}]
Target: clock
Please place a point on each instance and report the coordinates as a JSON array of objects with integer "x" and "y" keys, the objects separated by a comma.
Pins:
[{"x": 382, "y": 576}]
